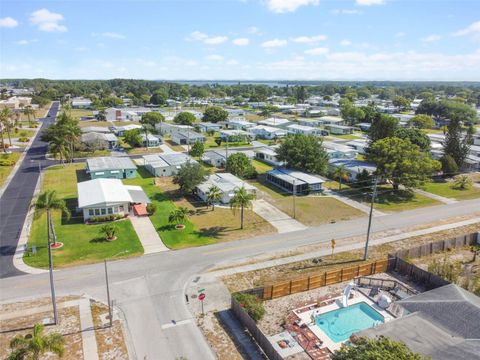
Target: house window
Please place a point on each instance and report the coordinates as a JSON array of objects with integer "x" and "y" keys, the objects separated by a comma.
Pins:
[
  {"x": 110, "y": 211},
  {"x": 115, "y": 209},
  {"x": 97, "y": 211},
  {"x": 120, "y": 207},
  {"x": 104, "y": 211},
  {"x": 90, "y": 212}
]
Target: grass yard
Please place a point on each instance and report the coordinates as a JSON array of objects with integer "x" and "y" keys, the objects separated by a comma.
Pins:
[
  {"x": 6, "y": 170},
  {"x": 203, "y": 226},
  {"x": 445, "y": 189},
  {"x": 316, "y": 210},
  {"x": 174, "y": 146},
  {"x": 143, "y": 151},
  {"x": 389, "y": 200},
  {"x": 17, "y": 132},
  {"x": 83, "y": 244},
  {"x": 334, "y": 185},
  {"x": 253, "y": 117},
  {"x": 347, "y": 137},
  {"x": 261, "y": 167},
  {"x": 78, "y": 113},
  {"x": 87, "y": 154},
  {"x": 85, "y": 123}
]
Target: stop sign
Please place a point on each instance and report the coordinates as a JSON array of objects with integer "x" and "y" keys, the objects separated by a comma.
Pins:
[{"x": 201, "y": 297}]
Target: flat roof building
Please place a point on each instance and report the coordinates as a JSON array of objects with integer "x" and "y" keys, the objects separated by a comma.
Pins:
[
  {"x": 111, "y": 167},
  {"x": 165, "y": 164},
  {"x": 295, "y": 181}
]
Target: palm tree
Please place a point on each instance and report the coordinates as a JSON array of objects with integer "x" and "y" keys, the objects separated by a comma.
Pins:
[
  {"x": 48, "y": 201},
  {"x": 214, "y": 195},
  {"x": 340, "y": 173},
  {"x": 462, "y": 182},
  {"x": 29, "y": 111},
  {"x": 241, "y": 199},
  {"x": 34, "y": 345},
  {"x": 178, "y": 216},
  {"x": 5, "y": 115},
  {"x": 109, "y": 231},
  {"x": 59, "y": 149}
]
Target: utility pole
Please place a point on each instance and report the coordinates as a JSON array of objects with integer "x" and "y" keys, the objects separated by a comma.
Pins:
[
  {"x": 110, "y": 316},
  {"x": 50, "y": 268},
  {"x": 294, "y": 193},
  {"x": 188, "y": 140},
  {"x": 374, "y": 195}
]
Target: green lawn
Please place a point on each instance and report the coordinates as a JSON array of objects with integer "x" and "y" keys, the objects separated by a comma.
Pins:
[
  {"x": 86, "y": 154},
  {"x": 445, "y": 189},
  {"x": 392, "y": 201},
  {"x": 261, "y": 167},
  {"x": 78, "y": 113},
  {"x": 23, "y": 132},
  {"x": 174, "y": 239},
  {"x": 6, "y": 170},
  {"x": 346, "y": 137},
  {"x": 83, "y": 244}
]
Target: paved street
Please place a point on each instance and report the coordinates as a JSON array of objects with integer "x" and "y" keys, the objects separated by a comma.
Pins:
[
  {"x": 16, "y": 199},
  {"x": 150, "y": 289}
]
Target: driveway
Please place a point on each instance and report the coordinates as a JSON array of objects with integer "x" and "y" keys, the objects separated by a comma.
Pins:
[
  {"x": 281, "y": 221},
  {"x": 16, "y": 199}
]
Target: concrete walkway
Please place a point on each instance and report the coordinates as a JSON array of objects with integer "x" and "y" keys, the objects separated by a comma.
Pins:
[
  {"x": 167, "y": 149},
  {"x": 147, "y": 234},
  {"x": 89, "y": 342},
  {"x": 281, "y": 221},
  {"x": 355, "y": 204},
  {"x": 442, "y": 199}
]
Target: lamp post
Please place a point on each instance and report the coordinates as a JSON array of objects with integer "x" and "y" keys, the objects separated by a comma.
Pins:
[{"x": 365, "y": 255}]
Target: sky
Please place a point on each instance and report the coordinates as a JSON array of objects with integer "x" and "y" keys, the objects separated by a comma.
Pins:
[{"x": 241, "y": 39}]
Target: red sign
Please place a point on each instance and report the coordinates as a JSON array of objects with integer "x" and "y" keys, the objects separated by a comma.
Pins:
[{"x": 201, "y": 297}]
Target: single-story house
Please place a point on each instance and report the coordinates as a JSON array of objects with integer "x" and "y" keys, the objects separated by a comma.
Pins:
[
  {"x": 339, "y": 129},
  {"x": 278, "y": 122},
  {"x": 115, "y": 114},
  {"x": 302, "y": 129},
  {"x": 268, "y": 155},
  {"x": 208, "y": 126},
  {"x": 150, "y": 140},
  {"x": 339, "y": 151},
  {"x": 97, "y": 129},
  {"x": 227, "y": 183},
  {"x": 352, "y": 166},
  {"x": 441, "y": 324},
  {"x": 403, "y": 119},
  {"x": 218, "y": 158},
  {"x": 240, "y": 124},
  {"x": 332, "y": 120},
  {"x": 268, "y": 132},
  {"x": 295, "y": 181},
  {"x": 99, "y": 140},
  {"x": 310, "y": 122},
  {"x": 474, "y": 150},
  {"x": 186, "y": 137},
  {"x": 81, "y": 103},
  {"x": 102, "y": 197},
  {"x": 364, "y": 126},
  {"x": 111, "y": 167},
  {"x": 165, "y": 164},
  {"x": 360, "y": 145},
  {"x": 228, "y": 134},
  {"x": 167, "y": 128},
  {"x": 120, "y": 130}
]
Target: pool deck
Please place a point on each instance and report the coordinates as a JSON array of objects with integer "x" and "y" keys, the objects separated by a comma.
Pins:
[{"x": 305, "y": 315}]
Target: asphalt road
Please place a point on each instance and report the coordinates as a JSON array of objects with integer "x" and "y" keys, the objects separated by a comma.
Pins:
[
  {"x": 15, "y": 201},
  {"x": 150, "y": 290}
]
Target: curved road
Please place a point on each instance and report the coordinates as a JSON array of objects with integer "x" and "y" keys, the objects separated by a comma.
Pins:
[
  {"x": 16, "y": 199},
  {"x": 150, "y": 289}
]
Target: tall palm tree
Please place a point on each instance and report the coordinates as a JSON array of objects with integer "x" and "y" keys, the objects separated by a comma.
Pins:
[
  {"x": 29, "y": 111},
  {"x": 48, "y": 201},
  {"x": 340, "y": 173},
  {"x": 5, "y": 115},
  {"x": 214, "y": 195},
  {"x": 59, "y": 149},
  {"x": 32, "y": 346},
  {"x": 241, "y": 199}
]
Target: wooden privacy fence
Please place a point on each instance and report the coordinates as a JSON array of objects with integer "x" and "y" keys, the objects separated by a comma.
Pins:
[
  {"x": 323, "y": 279},
  {"x": 416, "y": 274}
]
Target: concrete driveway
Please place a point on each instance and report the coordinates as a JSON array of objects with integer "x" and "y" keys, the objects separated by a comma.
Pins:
[{"x": 281, "y": 221}]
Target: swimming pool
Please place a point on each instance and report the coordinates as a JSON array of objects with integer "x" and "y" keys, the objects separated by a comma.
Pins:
[{"x": 341, "y": 323}]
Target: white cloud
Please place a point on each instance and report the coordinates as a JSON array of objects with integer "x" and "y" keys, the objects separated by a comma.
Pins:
[
  {"x": 370, "y": 2},
  {"x": 274, "y": 43},
  {"x": 232, "y": 62},
  {"x": 8, "y": 22},
  {"x": 113, "y": 35},
  {"x": 214, "y": 57},
  {"x": 47, "y": 21},
  {"x": 202, "y": 37},
  {"x": 431, "y": 38},
  {"x": 81, "y": 49},
  {"x": 345, "y": 42},
  {"x": 283, "y": 6},
  {"x": 309, "y": 39},
  {"x": 22, "y": 42},
  {"x": 347, "y": 11},
  {"x": 400, "y": 34},
  {"x": 472, "y": 29},
  {"x": 254, "y": 30},
  {"x": 241, "y": 41},
  {"x": 317, "y": 51}
]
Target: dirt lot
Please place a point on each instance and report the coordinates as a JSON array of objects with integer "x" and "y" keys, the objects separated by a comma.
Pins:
[{"x": 266, "y": 276}]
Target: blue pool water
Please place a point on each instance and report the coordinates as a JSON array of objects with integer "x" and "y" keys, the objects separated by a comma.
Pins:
[{"x": 341, "y": 323}]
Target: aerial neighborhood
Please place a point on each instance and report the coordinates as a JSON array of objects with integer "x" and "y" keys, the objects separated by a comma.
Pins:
[{"x": 172, "y": 168}]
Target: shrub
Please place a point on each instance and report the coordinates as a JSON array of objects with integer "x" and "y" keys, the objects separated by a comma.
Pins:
[
  {"x": 24, "y": 139},
  {"x": 252, "y": 305},
  {"x": 105, "y": 218},
  {"x": 151, "y": 208},
  {"x": 462, "y": 182},
  {"x": 7, "y": 162}
]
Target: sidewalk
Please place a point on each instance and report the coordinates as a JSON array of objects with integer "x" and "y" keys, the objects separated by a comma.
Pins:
[
  {"x": 436, "y": 197},
  {"x": 147, "y": 234},
  {"x": 281, "y": 221},
  {"x": 353, "y": 203}
]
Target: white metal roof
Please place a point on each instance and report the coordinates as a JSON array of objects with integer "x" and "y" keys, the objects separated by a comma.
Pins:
[
  {"x": 110, "y": 163},
  {"x": 102, "y": 192}
]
